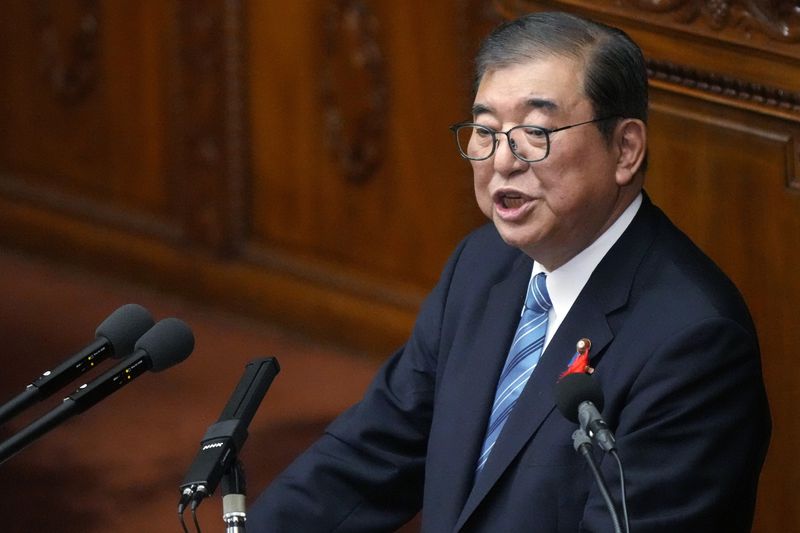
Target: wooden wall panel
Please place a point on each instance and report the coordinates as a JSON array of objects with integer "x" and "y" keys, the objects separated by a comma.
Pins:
[
  {"x": 279, "y": 159},
  {"x": 728, "y": 178},
  {"x": 354, "y": 171},
  {"x": 61, "y": 149}
]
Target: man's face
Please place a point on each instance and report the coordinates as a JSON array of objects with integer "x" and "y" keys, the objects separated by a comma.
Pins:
[{"x": 554, "y": 208}]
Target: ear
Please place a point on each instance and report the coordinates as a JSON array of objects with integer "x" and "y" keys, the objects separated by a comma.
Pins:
[{"x": 631, "y": 139}]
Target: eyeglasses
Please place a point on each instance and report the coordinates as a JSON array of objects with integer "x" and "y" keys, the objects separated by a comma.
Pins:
[{"x": 528, "y": 143}]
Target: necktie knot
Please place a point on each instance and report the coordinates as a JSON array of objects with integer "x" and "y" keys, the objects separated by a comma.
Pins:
[{"x": 538, "y": 299}]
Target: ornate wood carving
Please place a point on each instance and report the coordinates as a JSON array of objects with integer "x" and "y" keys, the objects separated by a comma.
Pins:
[
  {"x": 354, "y": 88},
  {"x": 778, "y": 19},
  {"x": 211, "y": 162},
  {"x": 68, "y": 57},
  {"x": 724, "y": 85}
]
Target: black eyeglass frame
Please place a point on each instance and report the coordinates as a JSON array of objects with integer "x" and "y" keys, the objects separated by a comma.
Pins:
[{"x": 495, "y": 141}]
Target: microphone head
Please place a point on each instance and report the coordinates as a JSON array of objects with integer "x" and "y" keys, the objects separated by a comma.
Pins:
[
  {"x": 574, "y": 389},
  {"x": 123, "y": 327},
  {"x": 167, "y": 343}
]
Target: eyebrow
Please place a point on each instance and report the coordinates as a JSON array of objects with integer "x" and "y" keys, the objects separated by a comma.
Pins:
[{"x": 544, "y": 104}]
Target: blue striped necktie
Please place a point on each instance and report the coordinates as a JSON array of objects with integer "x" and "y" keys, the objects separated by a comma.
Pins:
[{"x": 523, "y": 355}]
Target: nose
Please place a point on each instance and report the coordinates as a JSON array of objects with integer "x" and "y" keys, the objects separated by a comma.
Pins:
[{"x": 505, "y": 162}]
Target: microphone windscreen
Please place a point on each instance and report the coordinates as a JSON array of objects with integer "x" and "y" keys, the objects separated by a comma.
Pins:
[
  {"x": 574, "y": 389},
  {"x": 123, "y": 327},
  {"x": 167, "y": 343}
]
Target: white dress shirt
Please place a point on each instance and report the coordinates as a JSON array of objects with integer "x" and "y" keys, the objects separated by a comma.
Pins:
[{"x": 566, "y": 282}]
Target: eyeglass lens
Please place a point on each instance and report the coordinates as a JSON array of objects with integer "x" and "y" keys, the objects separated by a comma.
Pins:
[{"x": 478, "y": 142}]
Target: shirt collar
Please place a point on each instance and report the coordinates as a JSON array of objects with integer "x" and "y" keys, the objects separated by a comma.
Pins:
[{"x": 566, "y": 282}]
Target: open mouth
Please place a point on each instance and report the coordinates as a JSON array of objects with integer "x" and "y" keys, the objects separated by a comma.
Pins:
[{"x": 511, "y": 200}]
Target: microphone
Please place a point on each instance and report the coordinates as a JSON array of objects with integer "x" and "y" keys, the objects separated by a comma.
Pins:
[
  {"x": 580, "y": 399},
  {"x": 167, "y": 343},
  {"x": 224, "y": 439},
  {"x": 115, "y": 337}
]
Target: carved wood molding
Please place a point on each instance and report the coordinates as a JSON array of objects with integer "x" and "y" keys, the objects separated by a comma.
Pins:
[
  {"x": 777, "y": 19},
  {"x": 742, "y": 21},
  {"x": 68, "y": 58},
  {"x": 354, "y": 88},
  {"x": 333, "y": 277},
  {"x": 21, "y": 190},
  {"x": 210, "y": 122},
  {"x": 724, "y": 86}
]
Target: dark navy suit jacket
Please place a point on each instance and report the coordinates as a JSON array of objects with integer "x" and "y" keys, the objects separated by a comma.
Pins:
[{"x": 674, "y": 350}]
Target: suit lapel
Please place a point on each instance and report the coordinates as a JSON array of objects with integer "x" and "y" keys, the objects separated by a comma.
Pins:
[
  {"x": 470, "y": 391},
  {"x": 537, "y": 399}
]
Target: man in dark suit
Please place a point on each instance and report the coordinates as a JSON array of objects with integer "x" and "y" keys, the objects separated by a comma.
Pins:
[{"x": 557, "y": 143}]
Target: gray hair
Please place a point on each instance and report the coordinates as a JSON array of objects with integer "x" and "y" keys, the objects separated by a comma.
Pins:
[{"x": 615, "y": 80}]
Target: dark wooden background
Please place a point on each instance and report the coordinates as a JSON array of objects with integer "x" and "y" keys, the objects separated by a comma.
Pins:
[{"x": 288, "y": 160}]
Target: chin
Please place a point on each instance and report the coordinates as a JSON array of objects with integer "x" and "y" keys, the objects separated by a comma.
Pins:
[{"x": 518, "y": 237}]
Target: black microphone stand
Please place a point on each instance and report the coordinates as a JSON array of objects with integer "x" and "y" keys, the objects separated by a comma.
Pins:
[
  {"x": 234, "y": 490},
  {"x": 52, "y": 380},
  {"x": 87, "y": 395},
  {"x": 583, "y": 444}
]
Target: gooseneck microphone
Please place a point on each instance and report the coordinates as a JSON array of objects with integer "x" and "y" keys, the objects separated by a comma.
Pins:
[
  {"x": 580, "y": 399},
  {"x": 167, "y": 343},
  {"x": 224, "y": 439},
  {"x": 115, "y": 337}
]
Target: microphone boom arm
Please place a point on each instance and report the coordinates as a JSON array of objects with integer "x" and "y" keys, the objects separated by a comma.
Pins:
[
  {"x": 583, "y": 444},
  {"x": 86, "y": 396}
]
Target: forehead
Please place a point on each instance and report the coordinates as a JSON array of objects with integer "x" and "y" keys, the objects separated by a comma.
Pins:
[{"x": 553, "y": 85}]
